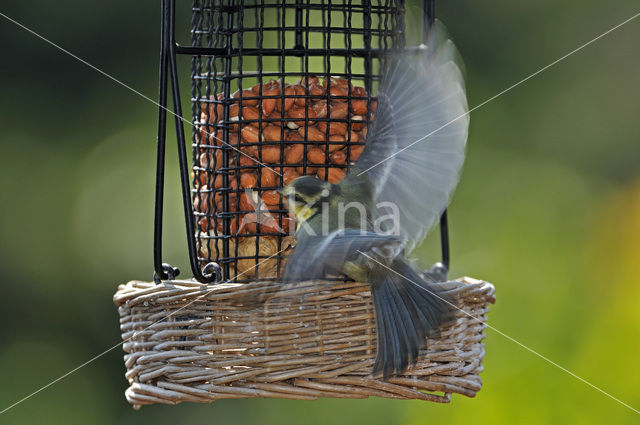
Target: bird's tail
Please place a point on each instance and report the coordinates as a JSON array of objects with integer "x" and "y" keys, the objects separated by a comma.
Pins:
[{"x": 408, "y": 310}]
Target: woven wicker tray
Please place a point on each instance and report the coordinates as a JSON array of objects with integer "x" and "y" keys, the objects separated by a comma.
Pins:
[{"x": 191, "y": 342}]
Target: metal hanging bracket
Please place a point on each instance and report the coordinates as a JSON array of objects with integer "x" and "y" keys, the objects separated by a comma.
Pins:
[{"x": 168, "y": 67}]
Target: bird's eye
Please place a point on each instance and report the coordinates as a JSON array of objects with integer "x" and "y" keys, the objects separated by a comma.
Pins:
[{"x": 299, "y": 198}]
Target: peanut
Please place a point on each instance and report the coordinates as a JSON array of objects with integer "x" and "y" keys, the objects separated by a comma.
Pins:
[
  {"x": 205, "y": 134},
  {"x": 338, "y": 110},
  {"x": 358, "y": 91},
  {"x": 202, "y": 200},
  {"x": 316, "y": 90},
  {"x": 248, "y": 180},
  {"x": 355, "y": 152},
  {"x": 218, "y": 160},
  {"x": 320, "y": 108},
  {"x": 313, "y": 134},
  {"x": 357, "y": 122},
  {"x": 293, "y": 136},
  {"x": 301, "y": 113},
  {"x": 288, "y": 225},
  {"x": 336, "y": 146},
  {"x": 336, "y": 91},
  {"x": 269, "y": 85},
  {"x": 335, "y": 82},
  {"x": 231, "y": 202},
  {"x": 250, "y": 113},
  {"x": 204, "y": 160},
  {"x": 202, "y": 177},
  {"x": 275, "y": 118},
  {"x": 338, "y": 157},
  {"x": 335, "y": 128},
  {"x": 250, "y": 150},
  {"x": 233, "y": 225},
  {"x": 248, "y": 93},
  {"x": 300, "y": 91},
  {"x": 231, "y": 179},
  {"x": 267, "y": 178},
  {"x": 246, "y": 203},
  {"x": 249, "y": 134},
  {"x": 247, "y": 161},
  {"x": 312, "y": 79},
  {"x": 271, "y": 197},
  {"x": 254, "y": 222},
  {"x": 271, "y": 154},
  {"x": 359, "y": 106},
  {"x": 293, "y": 155},
  {"x": 205, "y": 224},
  {"x": 233, "y": 116},
  {"x": 271, "y": 133},
  {"x": 268, "y": 105},
  {"x": 211, "y": 112},
  {"x": 316, "y": 156},
  {"x": 217, "y": 183},
  {"x": 289, "y": 91},
  {"x": 232, "y": 139},
  {"x": 216, "y": 139}
]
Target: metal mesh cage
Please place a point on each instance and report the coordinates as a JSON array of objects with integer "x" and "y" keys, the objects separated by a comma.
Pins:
[
  {"x": 285, "y": 90},
  {"x": 279, "y": 89}
]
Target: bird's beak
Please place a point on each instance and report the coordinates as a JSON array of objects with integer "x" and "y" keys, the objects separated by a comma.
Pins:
[{"x": 284, "y": 191}]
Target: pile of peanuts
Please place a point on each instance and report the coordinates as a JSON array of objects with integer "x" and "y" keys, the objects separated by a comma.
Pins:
[{"x": 276, "y": 128}]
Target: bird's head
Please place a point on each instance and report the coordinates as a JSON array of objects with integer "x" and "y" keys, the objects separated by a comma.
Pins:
[{"x": 305, "y": 196}]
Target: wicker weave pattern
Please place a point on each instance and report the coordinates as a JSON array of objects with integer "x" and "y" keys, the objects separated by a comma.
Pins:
[{"x": 191, "y": 342}]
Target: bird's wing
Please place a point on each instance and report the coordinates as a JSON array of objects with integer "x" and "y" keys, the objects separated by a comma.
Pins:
[
  {"x": 416, "y": 143},
  {"x": 316, "y": 256}
]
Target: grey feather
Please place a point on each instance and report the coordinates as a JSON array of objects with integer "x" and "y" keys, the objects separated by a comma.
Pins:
[
  {"x": 416, "y": 144},
  {"x": 315, "y": 256}
]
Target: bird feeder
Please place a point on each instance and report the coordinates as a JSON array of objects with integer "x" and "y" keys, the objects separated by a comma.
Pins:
[{"x": 279, "y": 89}]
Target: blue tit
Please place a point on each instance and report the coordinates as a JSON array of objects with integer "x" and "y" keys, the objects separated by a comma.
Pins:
[{"x": 410, "y": 165}]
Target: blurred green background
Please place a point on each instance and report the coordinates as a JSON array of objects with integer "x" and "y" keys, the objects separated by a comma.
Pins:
[{"x": 548, "y": 210}]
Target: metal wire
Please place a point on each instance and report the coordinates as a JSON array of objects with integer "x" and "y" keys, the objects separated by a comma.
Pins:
[{"x": 236, "y": 46}]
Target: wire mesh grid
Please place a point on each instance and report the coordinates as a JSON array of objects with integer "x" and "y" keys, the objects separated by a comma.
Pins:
[{"x": 279, "y": 90}]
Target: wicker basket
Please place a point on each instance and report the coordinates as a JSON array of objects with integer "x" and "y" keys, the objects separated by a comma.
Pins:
[{"x": 186, "y": 341}]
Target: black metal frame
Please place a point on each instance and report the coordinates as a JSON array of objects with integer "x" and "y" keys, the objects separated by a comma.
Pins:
[{"x": 211, "y": 272}]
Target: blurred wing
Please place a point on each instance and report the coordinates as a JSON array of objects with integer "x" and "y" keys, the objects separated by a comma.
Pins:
[
  {"x": 318, "y": 257},
  {"x": 416, "y": 143},
  {"x": 315, "y": 256}
]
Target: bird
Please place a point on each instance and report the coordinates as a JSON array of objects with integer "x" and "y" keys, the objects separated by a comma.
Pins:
[{"x": 365, "y": 226}]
